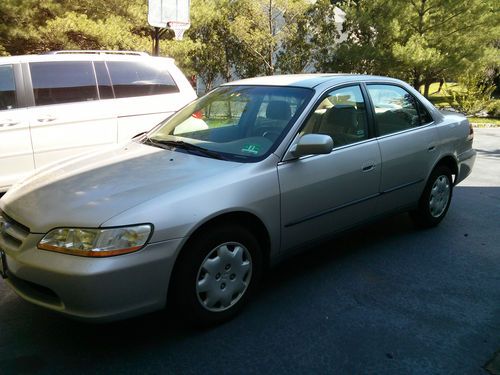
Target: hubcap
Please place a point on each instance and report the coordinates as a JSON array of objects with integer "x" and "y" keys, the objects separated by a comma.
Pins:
[
  {"x": 224, "y": 276},
  {"x": 440, "y": 195}
]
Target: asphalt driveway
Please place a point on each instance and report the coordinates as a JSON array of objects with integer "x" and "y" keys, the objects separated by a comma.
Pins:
[{"x": 384, "y": 299}]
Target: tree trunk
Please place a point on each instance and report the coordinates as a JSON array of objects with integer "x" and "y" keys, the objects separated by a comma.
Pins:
[
  {"x": 441, "y": 83},
  {"x": 271, "y": 34},
  {"x": 227, "y": 70},
  {"x": 416, "y": 83},
  {"x": 427, "y": 86},
  {"x": 416, "y": 79}
]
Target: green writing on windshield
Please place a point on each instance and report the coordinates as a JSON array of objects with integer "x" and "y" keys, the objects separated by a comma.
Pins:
[{"x": 251, "y": 149}]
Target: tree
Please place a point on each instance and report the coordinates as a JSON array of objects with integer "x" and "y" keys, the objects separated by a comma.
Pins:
[
  {"x": 322, "y": 35},
  {"x": 269, "y": 31},
  {"x": 33, "y": 26},
  {"x": 19, "y": 22},
  {"x": 418, "y": 40},
  {"x": 204, "y": 48},
  {"x": 473, "y": 95},
  {"x": 241, "y": 38}
]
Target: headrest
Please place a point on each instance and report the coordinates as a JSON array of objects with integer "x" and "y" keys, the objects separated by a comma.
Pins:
[
  {"x": 278, "y": 110},
  {"x": 341, "y": 115}
]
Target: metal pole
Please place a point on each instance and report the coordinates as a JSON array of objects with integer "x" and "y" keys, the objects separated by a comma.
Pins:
[{"x": 156, "y": 51}]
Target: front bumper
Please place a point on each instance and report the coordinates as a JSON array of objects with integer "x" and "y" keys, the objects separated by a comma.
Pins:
[
  {"x": 465, "y": 163},
  {"x": 90, "y": 288}
]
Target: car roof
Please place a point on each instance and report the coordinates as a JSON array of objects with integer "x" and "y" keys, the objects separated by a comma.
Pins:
[
  {"x": 81, "y": 57},
  {"x": 309, "y": 80}
]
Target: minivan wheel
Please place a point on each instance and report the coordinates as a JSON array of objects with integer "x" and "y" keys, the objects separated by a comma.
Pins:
[
  {"x": 435, "y": 199},
  {"x": 217, "y": 272}
]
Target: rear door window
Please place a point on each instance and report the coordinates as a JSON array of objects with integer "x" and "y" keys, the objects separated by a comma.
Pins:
[
  {"x": 7, "y": 88},
  {"x": 63, "y": 82},
  {"x": 140, "y": 79},
  {"x": 395, "y": 108}
]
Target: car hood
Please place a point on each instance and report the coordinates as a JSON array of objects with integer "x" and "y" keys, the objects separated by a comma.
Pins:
[{"x": 89, "y": 190}]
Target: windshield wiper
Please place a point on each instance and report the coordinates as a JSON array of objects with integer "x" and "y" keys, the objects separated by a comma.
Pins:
[{"x": 185, "y": 146}]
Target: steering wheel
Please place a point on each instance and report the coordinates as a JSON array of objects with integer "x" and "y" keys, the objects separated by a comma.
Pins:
[{"x": 268, "y": 132}]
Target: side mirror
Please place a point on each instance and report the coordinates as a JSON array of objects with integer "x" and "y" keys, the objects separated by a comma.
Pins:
[{"x": 312, "y": 144}]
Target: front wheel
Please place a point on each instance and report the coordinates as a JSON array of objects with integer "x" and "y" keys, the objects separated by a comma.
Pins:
[
  {"x": 216, "y": 274},
  {"x": 435, "y": 200}
]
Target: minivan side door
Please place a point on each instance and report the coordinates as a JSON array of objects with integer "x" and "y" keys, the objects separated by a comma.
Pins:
[
  {"x": 67, "y": 117},
  {"x": 324, "y": 194},
  {"x": 16, "y": 152},
  {"x": 407, "y": 140}
]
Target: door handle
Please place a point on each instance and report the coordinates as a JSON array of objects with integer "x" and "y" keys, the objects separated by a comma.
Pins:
[
  {"x": 368, "y": 166},
  {"x": 47, "y": 118},
  {"x": 431, "y": 148},
  {"x": 8, "y": 123}
]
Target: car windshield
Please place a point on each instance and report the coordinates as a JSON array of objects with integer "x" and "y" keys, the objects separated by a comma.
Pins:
[{"x": 242, "y": 123}]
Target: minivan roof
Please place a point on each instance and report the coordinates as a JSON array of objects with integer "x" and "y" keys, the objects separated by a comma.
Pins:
[{"x": 81, "y": 56}]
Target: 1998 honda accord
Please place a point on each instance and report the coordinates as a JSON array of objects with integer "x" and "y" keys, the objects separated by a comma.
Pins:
[{"x": 195, "y": 214}]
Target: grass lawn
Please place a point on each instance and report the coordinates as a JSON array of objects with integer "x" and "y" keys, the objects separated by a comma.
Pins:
[
  {"x": 484, "y": 121},
  {"x": 440, "y": 100}
]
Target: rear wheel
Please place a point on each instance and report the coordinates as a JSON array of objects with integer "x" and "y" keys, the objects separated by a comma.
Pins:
[
  {"x": 216, "y": 274},
  {"x": 435, "y": 199}
]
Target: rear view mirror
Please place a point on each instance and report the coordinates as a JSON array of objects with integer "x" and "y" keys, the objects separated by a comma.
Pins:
[{"x": 312, "y": 144}]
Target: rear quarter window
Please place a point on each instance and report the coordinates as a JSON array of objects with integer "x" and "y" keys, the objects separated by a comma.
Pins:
[
  {"x": 140, "y": 79},
  {"x": 423, "y": 114}
]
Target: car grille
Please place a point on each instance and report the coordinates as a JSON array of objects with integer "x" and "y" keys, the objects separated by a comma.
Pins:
[{"x": 12, "y": 233}]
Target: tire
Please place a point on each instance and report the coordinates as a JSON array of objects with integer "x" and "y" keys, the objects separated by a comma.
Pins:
[
  {"x": 435, "y": 200},
  {"x": 216, "y": 274}
]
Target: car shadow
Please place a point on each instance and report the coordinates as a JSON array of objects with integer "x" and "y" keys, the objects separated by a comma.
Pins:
[{"x": 489, "y": 153}]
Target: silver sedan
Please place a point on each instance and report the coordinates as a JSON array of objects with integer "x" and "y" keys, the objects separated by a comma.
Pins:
[{"x": 195, "y": 210}]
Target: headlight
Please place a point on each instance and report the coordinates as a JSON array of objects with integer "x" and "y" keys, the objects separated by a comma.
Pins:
[{"x": 96, "y": 242}]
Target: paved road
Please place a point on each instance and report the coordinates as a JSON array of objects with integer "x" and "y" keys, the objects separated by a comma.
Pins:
[{"x": 385, "y": 299}]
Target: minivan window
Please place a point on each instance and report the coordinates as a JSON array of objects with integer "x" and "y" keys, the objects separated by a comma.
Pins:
[
  {"x": 7, "y": 88},
  {"x": 63, "y": 82},
  {"x": 140, "y": 79}
]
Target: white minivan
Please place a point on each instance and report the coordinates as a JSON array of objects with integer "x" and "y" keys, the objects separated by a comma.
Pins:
[{"x": 61, "y": 104}]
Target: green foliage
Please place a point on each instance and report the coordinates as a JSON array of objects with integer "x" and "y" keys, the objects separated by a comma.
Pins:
[
  {"x": 243, "y": 38},
  {"x": 183, "y": 51},
  {"x": 311, "y": 37},
  {"x": 474, "y": 96},
  {"x": 421, "y": 41},
  {"x": 493, "y": 108},
  {"x": 417, "y": 40},
  {"x": 34, "y": 26},
  {"x": 77, "y": 31}
]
